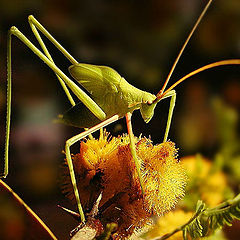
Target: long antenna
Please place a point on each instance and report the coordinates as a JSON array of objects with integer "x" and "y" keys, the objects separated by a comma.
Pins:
[
  {"x": 211, "y": 65},
  {"x": 183, "y": 47}
]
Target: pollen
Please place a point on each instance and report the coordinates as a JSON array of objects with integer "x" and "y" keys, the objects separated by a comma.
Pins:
[{"x": 106, "y": 165}]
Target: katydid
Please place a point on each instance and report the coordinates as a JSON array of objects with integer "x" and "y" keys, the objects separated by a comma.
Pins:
[{"x": 110, "y": 97}]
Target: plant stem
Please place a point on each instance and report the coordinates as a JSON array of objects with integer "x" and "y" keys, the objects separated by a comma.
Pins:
[{"x": 27, "y": 208}]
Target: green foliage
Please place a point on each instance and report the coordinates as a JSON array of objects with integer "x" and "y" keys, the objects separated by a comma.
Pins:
[
  {"x": 207, "y": 220},
  {"x": 194, "y": 227},
  {"x": 228, "y": 154}
]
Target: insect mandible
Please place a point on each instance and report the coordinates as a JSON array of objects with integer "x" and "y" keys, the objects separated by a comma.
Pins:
[{"x": 110, "y": 97}]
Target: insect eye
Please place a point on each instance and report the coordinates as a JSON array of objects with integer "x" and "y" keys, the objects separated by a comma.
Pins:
[{"x": 149, "y": 102}]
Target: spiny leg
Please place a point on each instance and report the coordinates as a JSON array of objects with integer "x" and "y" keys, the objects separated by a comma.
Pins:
[
  {"x": 133, "y": 149},
  {"x": 33, "y": 21},
  {"x": 35, "y": 25},
  {"x": 9, "y": 98},
  {"x": 69, "y": 143},
  {"x": 171, "y": 94},
  {"x": 80, "y": 94}
]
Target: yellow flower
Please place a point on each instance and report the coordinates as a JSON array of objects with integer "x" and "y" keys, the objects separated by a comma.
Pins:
[
  {"x": 173, "y": 220},
  {"x": 168, "y": 223},
  {"x": 106, "y": 165},
  {"x": 205, "y": 184},
  {"x": 164, "y": 177}
]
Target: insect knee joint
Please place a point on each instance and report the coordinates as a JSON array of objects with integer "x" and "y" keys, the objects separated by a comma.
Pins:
[
  {"x": 30, "y": 18},
  {"x": 13, "y": 29}
]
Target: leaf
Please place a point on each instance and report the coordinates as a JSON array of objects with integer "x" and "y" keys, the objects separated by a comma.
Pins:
[{"x": 207, "y": 220}]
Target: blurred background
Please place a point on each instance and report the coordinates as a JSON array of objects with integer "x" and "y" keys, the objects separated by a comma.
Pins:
[{"x": 139, "y": 39}]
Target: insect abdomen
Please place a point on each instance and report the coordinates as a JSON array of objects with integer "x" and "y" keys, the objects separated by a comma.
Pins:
[{"x": 79, "y": 116}]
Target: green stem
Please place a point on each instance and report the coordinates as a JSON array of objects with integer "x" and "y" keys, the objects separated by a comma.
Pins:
[
  {"x": 28, "y": 209},
  {"x": 209, "y": 211},
  {"x": 197, "y": 214}
]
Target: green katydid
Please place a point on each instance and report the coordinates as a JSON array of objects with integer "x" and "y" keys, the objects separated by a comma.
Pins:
[{"x": 110, "y": 96}]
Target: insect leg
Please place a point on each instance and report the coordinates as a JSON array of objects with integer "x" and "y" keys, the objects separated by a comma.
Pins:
[
  {"x": 9, "y": 98},
  {"x": 33, "y": 21},
  {"x": 171, "y": 94},
  {"x": 80, "y": 94},
  {"x": 133, "y": 149},
  {"x": 69, "y": 143},
  {"x": 35, "y": 26}
]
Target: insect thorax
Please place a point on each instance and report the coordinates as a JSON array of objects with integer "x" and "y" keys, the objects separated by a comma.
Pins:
[{"x": 133, "y": 98}]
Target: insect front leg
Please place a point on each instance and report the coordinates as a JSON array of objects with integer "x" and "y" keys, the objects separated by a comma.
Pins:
[
  {"x": 69, "y": 143},
  {"x": 133, "y": 149},
  {"x": 171, "y": 94}
]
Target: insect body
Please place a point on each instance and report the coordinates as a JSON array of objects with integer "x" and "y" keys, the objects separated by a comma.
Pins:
[
  {"x": 112, "y": 93},
  {"x": 110, "y": 96}
]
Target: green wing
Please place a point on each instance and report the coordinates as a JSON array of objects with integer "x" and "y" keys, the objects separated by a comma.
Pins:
[
  {"x": 97, "y": 80},
  {"x": 78, "y": 116}
]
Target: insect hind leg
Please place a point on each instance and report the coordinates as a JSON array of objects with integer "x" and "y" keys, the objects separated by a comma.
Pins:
[
  {"x": 80, "y": 94},
  {"x": 35, "y": 26},
  {"x": 9, "y": 98}
]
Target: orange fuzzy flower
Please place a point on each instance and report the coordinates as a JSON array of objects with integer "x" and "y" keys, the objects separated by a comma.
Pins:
[{"x": 106, "y": 166}]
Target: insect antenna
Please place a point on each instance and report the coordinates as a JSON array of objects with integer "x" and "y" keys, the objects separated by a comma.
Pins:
[
  {"x": 211, "y": 65},
  {"x": 182, "y": 49}
]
